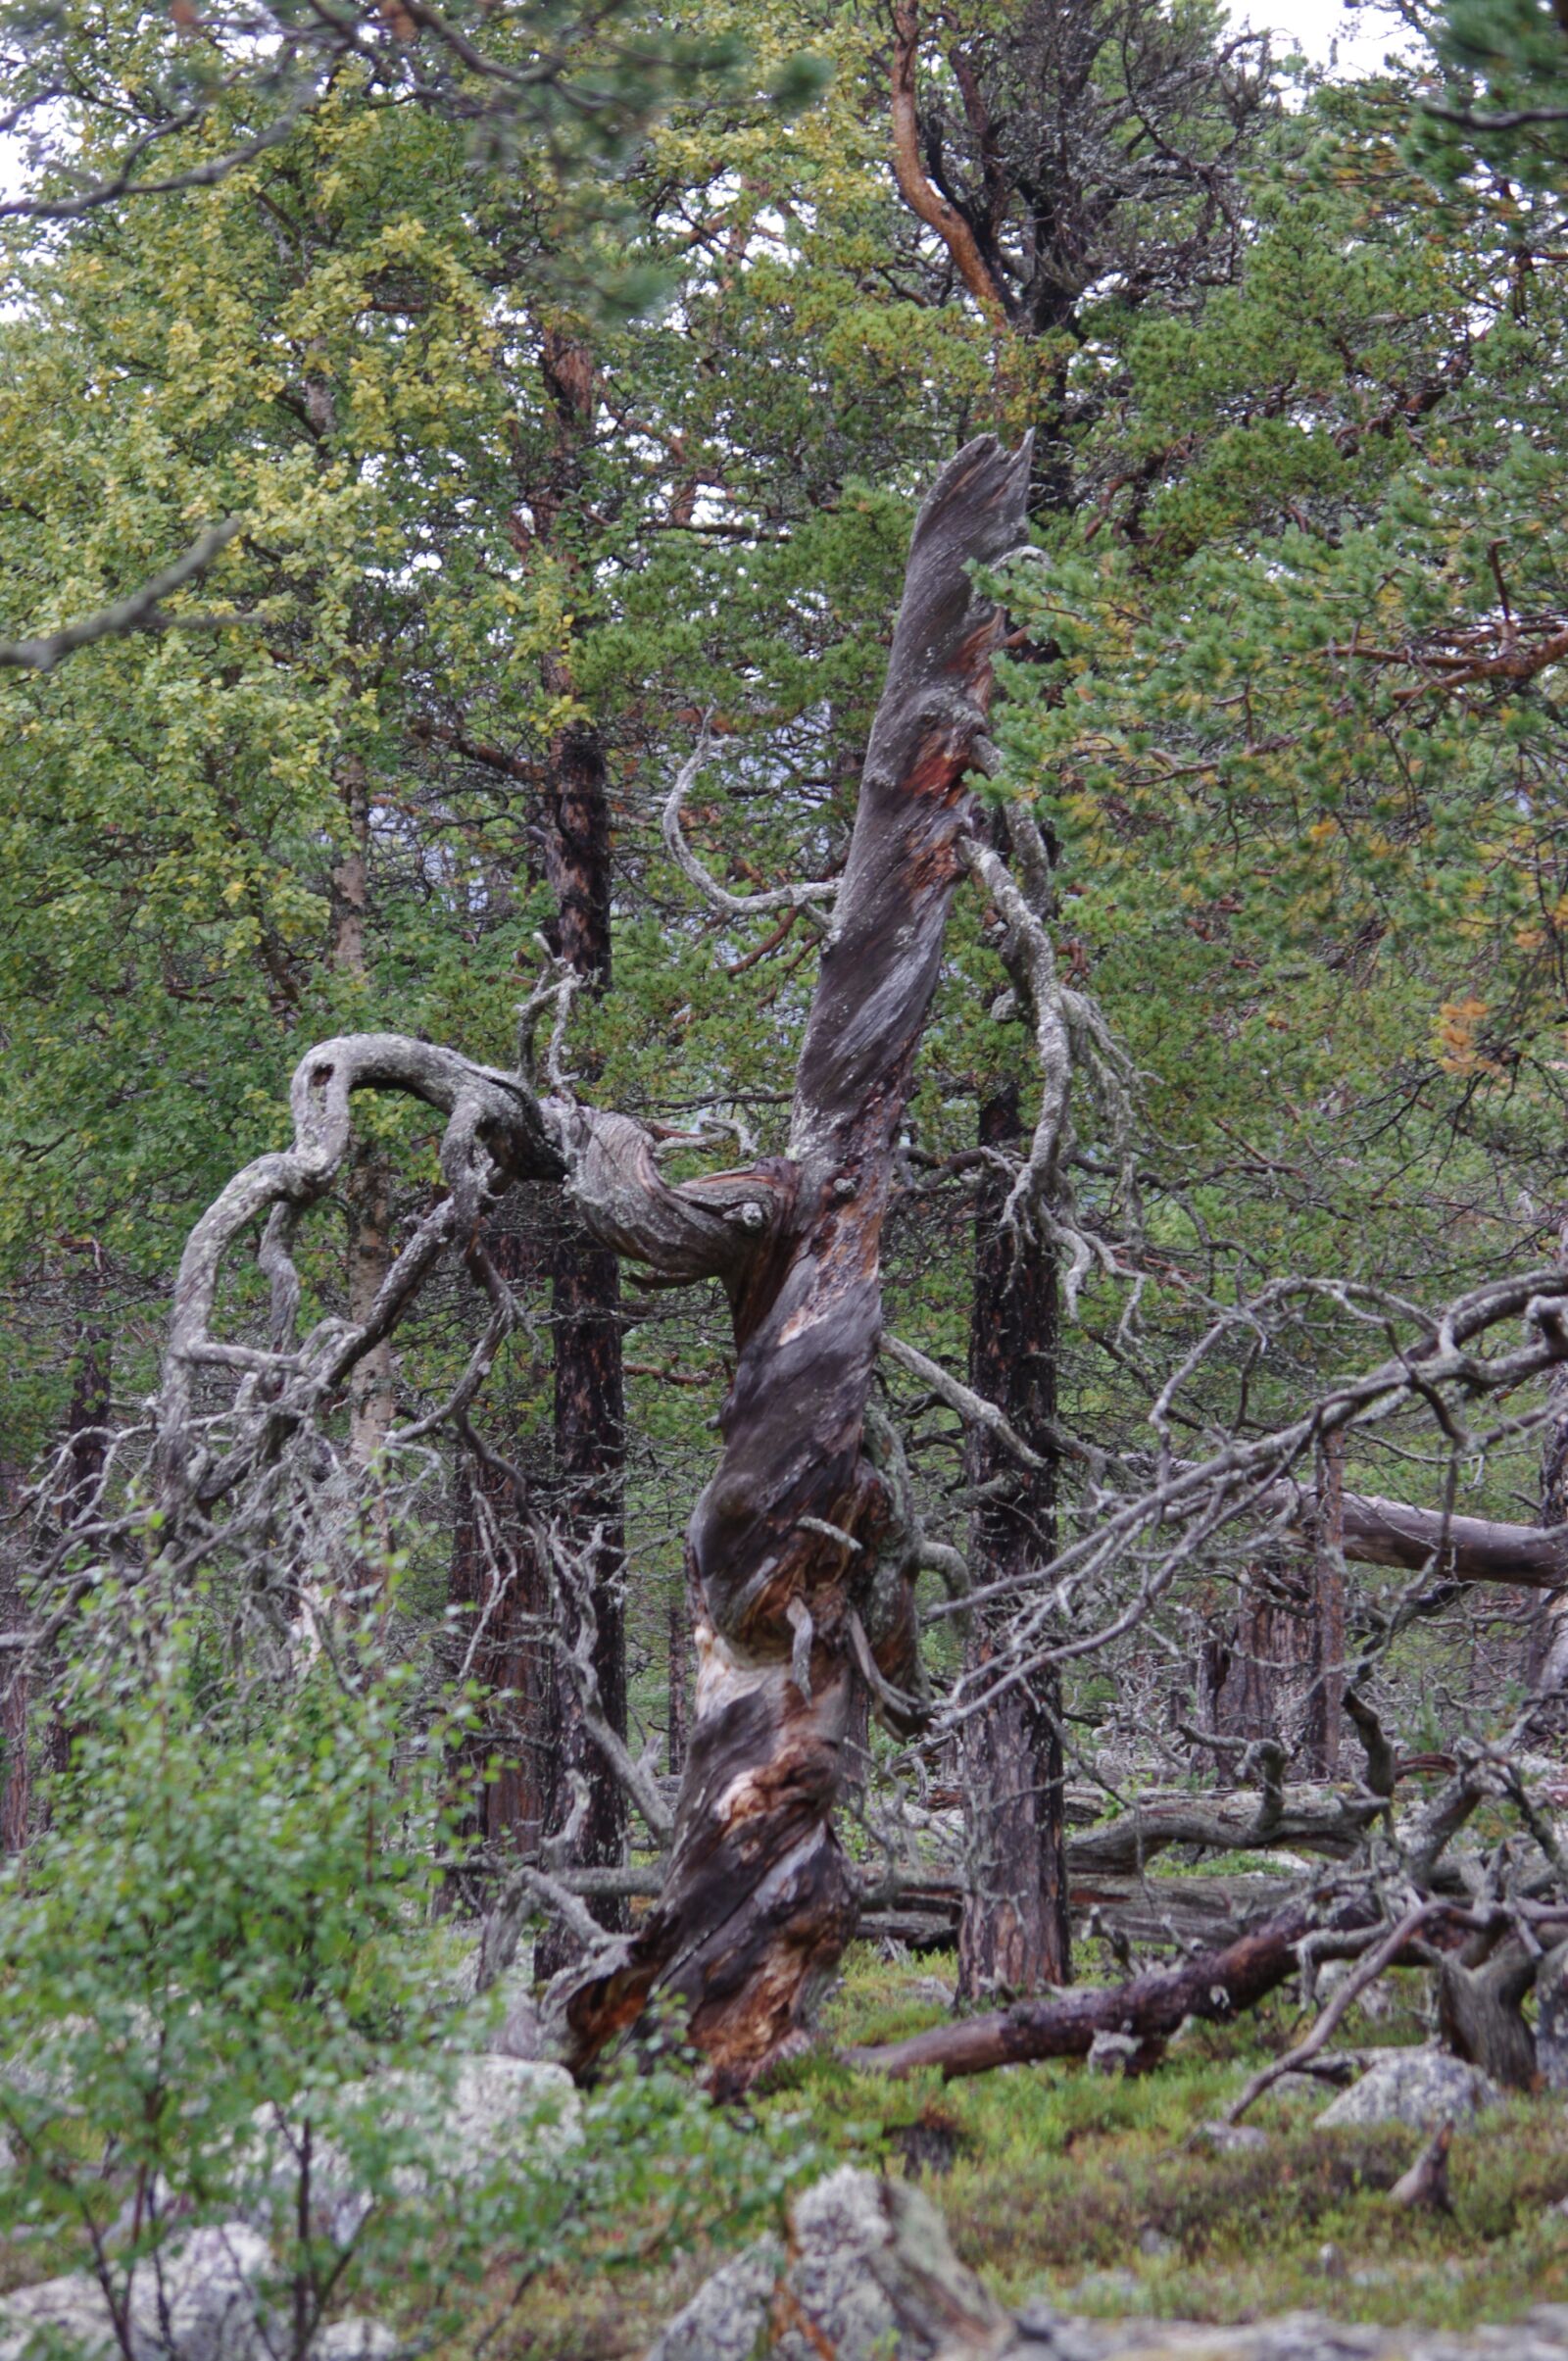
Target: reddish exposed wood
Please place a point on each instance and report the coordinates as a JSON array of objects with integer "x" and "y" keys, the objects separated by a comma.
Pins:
[
  {"x": 786, "y": 1543},
  {"x": 924, "y": 201}
]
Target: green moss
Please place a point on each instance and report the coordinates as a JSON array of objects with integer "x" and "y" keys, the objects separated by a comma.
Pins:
[{"x": 1082, "y": 2189}]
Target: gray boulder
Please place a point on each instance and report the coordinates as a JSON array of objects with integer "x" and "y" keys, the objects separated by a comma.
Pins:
[
  {"x": 495, "y": 2111},
  {"x": 208, "y": 2285},
  {"x": 870, "y": 2275},
  {"x": 726, "y": 2317},
  {"x": 354, "y": 2341},
  {"x": 200, "y": 2300},
  {"x": 1421, "y": 2088}
]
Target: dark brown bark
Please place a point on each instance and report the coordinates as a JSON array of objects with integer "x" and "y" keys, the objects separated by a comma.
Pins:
[
  {"x": 678, "y": 1683},
  {"x": 796, "y": 1595},
  {"x": 1547, "y": 1654},
  {"x": 1325, "y": 1705},
  {"x": 590, "y": 1423},
  {"x": 585, "y": 1279},
  {"x": 503, "y": 1593},
  {"x": 590, "y": 1414},
  {"x": 1014, "y": 1934},
  {"x": 1271, "y": 1651},
  {"x": 1214, "y": 1985}
]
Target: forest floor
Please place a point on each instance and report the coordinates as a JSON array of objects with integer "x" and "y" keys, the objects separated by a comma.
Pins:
[
  {"x": 1079, "y": 2191},
  {"x": 1077, "y": 2188}
]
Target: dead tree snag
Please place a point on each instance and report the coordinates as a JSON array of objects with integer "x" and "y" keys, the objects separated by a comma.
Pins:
[{"x": 797, "y": 1605}]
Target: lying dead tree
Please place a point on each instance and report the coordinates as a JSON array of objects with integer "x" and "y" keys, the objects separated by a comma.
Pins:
[{"x": 805, "y": 1548}]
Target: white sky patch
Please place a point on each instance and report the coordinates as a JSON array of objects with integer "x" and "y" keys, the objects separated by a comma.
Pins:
[{"x": 1339, "y": 36}]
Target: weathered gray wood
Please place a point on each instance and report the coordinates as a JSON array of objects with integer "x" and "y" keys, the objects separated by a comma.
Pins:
[{"x": 800, "y": 1605}]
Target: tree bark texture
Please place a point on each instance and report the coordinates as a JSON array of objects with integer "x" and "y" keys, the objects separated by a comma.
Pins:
[
  {"x": 1325, "y": 1706},
  {"x": 678, "y": 1682},
  {"x": 804, "y": 1589},
  {"x": 1270, "y": 1649},
  {"x": 590, "y": 1409},
  {"x": 15, "y": 1782},
  {"x": 498, "y": 1580},
  {"x": 585, "y": 1281},
  {"x": 1546, "y": 1660},
  {"x": 1015, "y": 1933}
]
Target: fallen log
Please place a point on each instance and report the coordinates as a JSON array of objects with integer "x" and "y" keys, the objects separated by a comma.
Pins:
[
  {"x": 1465, "y": 1548},
  {"x": 1211, "y": 1911},
  {"x": 1214, "y": 1987},
  {"x": 1332, "y": 1825}
]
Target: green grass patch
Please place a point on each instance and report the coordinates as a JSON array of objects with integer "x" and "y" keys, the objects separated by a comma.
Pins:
[{"x": 1080, "y": 2189}]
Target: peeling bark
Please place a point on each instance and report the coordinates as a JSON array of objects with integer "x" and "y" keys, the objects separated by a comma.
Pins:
[{"x": 794, "y": 1605}]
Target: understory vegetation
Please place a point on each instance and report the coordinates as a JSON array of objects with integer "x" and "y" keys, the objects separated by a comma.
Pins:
[{"x": 783, "y": 1161}]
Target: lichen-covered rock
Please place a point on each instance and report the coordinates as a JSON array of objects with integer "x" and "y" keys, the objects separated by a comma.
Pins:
[
  {"x": 206, "y": 2287},
  {"x": 201, "y": 2300},
  {"x": 1422, "y": 2087},
  {"x": 1229, "y": 2138},
  {"x": 868, "y": 2276},
  {"x": 871, "y": 2272},
  {"x": 728, "y": 2317},
  {"x": 354, "y": 2341},
  {"x": 495, "y": 2112}
]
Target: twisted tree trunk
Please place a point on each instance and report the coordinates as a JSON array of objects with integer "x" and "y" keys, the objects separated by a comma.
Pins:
[{"x": 805, "y": 1593}]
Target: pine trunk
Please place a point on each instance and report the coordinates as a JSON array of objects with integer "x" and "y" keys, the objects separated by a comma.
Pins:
[
  {"x": 590, "y": 1411},
  {"x": 503, "y": 1593},
  {"x": 1013, "y": 1936},
  {"x": 16, "y": 1780}
]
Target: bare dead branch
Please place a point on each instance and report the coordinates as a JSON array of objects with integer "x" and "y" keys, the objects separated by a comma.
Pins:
[{"x": 139, "y": 612}]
